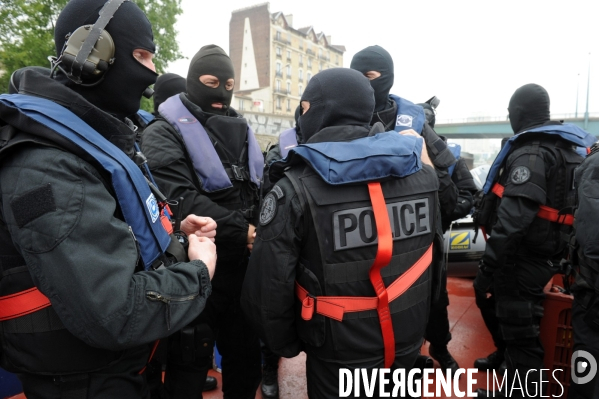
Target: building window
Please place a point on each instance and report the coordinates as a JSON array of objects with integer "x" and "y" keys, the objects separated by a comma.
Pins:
[
  {"x": 288, "y": 87},
  {"x": 288, "y": 55},
  {"x": 301, "y": 60},
  {"x": 278, "y": 86},
  {"x": 336, "y": 59},
  {"x": 278, "y": 36},
  {"x": 288, "y": 70},
  {"x": 289, "y": 38},
  {"x": 278, "y": 52},
  {"x": 308, "y": 76},
  {"x": 288, "y": 105},
  {"x": 240, "y": 106},
  {"x": 320, "y": 53},
  {"x": 320, "y": 67},
  {"x": 309, "y": 62},
  {"x": 301, "y": 75},
  {"x": 278, "y": 102},
  {"x": 278, "y": 73},
  {"x": 300, "y": 91}
]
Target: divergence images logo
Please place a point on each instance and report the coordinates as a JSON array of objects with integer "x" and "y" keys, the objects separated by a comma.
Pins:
[
  {"x": 584, "y": 367},
  {"x": 153, "y": 207}
]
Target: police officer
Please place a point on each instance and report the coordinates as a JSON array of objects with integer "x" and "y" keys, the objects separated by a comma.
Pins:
[
  {"x": 167, "y": 85},
  {"x": 585, "y": 308},
  {"x": 437, "y": 330},
  {"x": 526, "y": 209},
  {"x": 201, "y": 151},
  {"x": 399, "y": 114},
  {"x": 317, "y": 240},
  {"x": 84, "y": 292}
]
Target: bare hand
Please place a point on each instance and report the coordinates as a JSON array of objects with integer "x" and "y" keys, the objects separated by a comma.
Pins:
[
  {"x": 251, "y": 236},
  {"x": 202, "y": 248},
  {"x": 201, "y": 226},
  {"x": 424, "y": 153}
]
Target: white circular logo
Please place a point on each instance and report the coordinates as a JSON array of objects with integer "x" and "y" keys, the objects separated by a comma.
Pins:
[{"x": 584, "y": 367}]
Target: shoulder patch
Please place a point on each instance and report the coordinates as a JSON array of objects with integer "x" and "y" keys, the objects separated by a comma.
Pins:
[
  {"x": 520, "y": 175},
  {"x": 278, "y": 192},
  {"x": 269, "y": 209}
]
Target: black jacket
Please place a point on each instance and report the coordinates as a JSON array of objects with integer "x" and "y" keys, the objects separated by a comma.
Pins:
[
  {"x": 80, "y": 254},
  {"x": 549, "y": 165},
  {"x": 285, "y": 250},
  {"x": 173, "y": 171}
]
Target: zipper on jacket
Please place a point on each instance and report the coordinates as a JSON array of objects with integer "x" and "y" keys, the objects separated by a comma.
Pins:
[{"x": 158, "y": 297}]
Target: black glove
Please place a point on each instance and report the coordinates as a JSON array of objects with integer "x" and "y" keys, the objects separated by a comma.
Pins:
[{"x": 484, "y": 278}]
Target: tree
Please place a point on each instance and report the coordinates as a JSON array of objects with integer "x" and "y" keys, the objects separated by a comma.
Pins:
[{"x": 27, "y": 33}]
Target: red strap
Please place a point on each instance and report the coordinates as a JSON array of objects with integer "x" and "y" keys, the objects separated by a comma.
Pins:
[
  {"x": 545, "y": 212},
  {"x": 335, "y": 306},
  {"x": 383, "y": 257},
  {"x": 22, "y": 303},
  {"x": 155, "y": 346},
  {"x": 166, "y": 222}
]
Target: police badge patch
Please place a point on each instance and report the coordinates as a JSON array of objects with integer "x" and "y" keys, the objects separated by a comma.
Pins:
[
  {"x": 520, "y": 175},
  {"x": 269, "y": 209}
]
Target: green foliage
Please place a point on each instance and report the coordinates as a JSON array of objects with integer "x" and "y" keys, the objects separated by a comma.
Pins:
[{"x": 27, "y": 33}]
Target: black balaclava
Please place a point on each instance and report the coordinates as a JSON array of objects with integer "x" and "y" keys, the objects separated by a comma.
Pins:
[
  {"x": 429, "y": 113},
  {"x": 167, "y": 85},
  {"x": 119, "y": 93},
  {"x": 210, "y": 60},
  {"x": 338, "y": 97},
  {"x": 529, "y": 106},
  {"x": 376, "y": 58}
]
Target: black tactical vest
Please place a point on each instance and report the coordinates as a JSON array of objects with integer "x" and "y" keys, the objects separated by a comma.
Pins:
[
  {"x": 340, "y": 246},
  {"x": 544, "y": 238}
]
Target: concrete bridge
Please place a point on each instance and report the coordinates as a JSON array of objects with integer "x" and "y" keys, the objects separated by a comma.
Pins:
[{"x": 486, "y": 127}]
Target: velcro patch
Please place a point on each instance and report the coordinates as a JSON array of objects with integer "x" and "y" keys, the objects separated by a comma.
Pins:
[
  {"x": 278, "y": 192},
  {"x": 33, "y": 204}
]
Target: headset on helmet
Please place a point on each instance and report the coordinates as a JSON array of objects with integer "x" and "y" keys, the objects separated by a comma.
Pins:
[{"x": 89, "y": 50}]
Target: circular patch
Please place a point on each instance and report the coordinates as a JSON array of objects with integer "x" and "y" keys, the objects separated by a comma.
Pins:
[
  {"x": 269, "y": 209},
  {"x": 520, "y": 175}
]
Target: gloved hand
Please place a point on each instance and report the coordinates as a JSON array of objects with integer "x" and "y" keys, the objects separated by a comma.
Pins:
[{"x": 484, "y": 278}]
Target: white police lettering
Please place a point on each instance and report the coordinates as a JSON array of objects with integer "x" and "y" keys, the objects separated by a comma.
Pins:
[
  {"x": 353, "y": 228},
  {"x": 404, "y": 120},
  {"x": 153, "y": 207}
]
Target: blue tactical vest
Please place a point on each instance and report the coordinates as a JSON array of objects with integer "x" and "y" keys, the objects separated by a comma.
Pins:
[
  {"x": 204, "y": 158},
  {"x": 136, "y": 201},
  {"x": 287, "y": 140},
  {"x": 409, "y": 115},
  {"x": 456, "y": 150},
  {"x": 566, "y": 131},
  {"x": 362, "y": 160}
]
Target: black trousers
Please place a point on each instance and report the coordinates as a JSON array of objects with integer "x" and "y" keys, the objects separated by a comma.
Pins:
[
  {"x": 586, "y": 339},
  {"x": 437, "y": 329},
  {"x": 238, "y": 345},
  {"x": 517, "y": 299}
]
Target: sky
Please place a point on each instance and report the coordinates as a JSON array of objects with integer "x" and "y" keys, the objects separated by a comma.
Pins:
[{"x": 472, "y": 55}]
